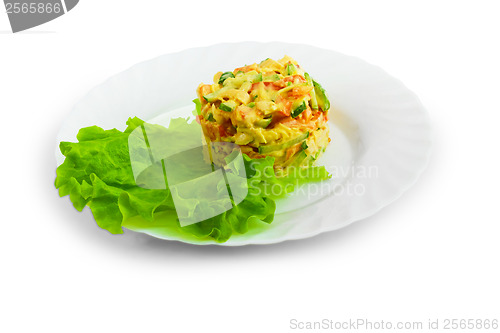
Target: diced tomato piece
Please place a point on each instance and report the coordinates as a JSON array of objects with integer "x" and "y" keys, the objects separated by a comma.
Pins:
[
  {"x": 272, "y": 85},
  {"x": 204, "y": 89},
  {"x": 300, "y": 91},
  {"x": 295, "y": 79},
  {"x": 222, "y": 131},
  {"x": 305, "y": 116},
  {"x": 287, "y": 106},
  {"x": 290, "y": 122},
  {"x": 280, "y": 84},
  {"x": 245, "y": 68}
]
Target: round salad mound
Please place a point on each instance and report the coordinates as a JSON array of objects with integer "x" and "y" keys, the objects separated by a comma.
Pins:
[{"x": 269, "y": 109}]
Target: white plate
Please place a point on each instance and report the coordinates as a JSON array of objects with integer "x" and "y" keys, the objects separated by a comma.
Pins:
[{"x": 380, "y": 131}]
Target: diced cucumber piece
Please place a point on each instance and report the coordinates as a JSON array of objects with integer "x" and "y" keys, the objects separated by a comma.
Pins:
[
  {"x": 323, "y": 101},
  {"x": 197, "y": 102},
  {"x": 314, "y": 101},
  {"x": 212, "y": 97},
  {"x": 228, "y": 106},
  {"x": 298, "y": 159},
  {"x": 225, "y": 76},
  {"x": 256, "y": 78},
  {"x": 284, "y": 145},
  {"x": 271, "y": 78},
  {"x": 299, "y": 109},
  {"x": 291, "y": 69},
  {"x": 264, "y": 122},
  {"x": 210, "y": 117}
]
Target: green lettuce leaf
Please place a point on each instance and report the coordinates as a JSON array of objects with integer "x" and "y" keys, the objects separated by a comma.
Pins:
[{"x": 97, "y": 172}]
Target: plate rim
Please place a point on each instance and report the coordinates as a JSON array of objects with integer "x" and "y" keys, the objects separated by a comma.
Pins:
[{"x": 416, "y": 175}]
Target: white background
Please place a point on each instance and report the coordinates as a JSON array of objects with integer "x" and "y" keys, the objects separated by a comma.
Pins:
[{"x": 432, "y": 254}]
